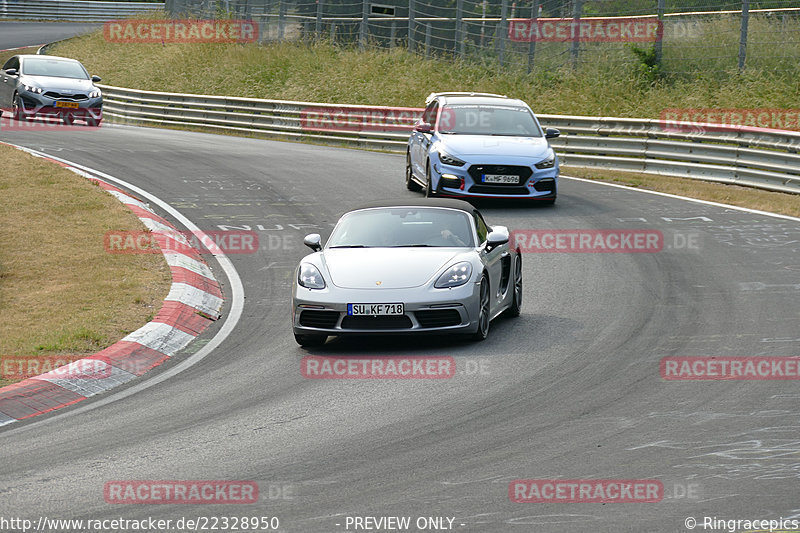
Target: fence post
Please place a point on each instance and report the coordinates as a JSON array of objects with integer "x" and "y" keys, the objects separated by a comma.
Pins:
[
  {"x": 458, "y": 28},
  {"x": 318, "y": 27},
  {"x": 411, "y": 24},
  {"x": 743, "y": 37},
  {"x": 532, "y": 44},
  {"x": 576, "y": 17},
  {"x": 281, "y": 19},
  {"x": 427, "y": 40},
  {"x": 503, "y": 31},
  {"x": 392, "y": 34},
  {"x": 362, "y": 38},
  {"x": 658, "y": 43},
  {"x": 463, "y": 43}
]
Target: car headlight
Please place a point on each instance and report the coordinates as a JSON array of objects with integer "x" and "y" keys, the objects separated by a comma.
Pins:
[
  {"x": 309, "y": 277},
  {"x": 448, "y": 159},
  {"x": 550, "y": 162},
  {"x": 95, "y": 94},
  {"x": 455, "y": 276},
  {"x": 32, "y": 89}
]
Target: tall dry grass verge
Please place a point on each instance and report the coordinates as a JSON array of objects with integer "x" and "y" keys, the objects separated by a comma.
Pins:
[{"x": 60, "y": 291}]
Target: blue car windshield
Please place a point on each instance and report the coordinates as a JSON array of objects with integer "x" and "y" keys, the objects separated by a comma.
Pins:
[
  {"x": 36, "y": 66},
  {"x": 406, "y": 227},
  {"x": 488, "y": 120}
]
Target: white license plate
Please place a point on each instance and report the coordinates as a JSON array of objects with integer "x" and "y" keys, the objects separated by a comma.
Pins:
[
  {"x": 500, "y": 178},
  {"x": 374, "y": 309}
]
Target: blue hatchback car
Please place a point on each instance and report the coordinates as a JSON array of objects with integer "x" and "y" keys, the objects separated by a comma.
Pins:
[{"x": 481, "y": 145}]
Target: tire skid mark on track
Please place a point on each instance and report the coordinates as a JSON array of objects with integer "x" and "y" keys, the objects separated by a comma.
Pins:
[{"x": 188, "y": 309}]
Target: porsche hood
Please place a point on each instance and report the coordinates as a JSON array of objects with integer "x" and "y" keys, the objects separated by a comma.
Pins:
[{"x": 386, "y": 268}]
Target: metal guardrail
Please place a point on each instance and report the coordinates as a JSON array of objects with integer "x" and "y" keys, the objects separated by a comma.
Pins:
[
  {"x": 767, "y": 159},
  {"x": 73, "y": 10}
]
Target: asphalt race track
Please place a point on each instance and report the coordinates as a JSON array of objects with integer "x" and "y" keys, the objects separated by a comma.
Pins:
[
  {"x": 570, "y": 390},
  {"x": 19, "y": 34}
]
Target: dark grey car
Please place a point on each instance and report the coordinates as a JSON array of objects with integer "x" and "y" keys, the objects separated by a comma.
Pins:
[{"x": 35, "y": 85}]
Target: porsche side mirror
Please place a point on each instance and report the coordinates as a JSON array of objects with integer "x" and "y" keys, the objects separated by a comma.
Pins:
[
  {"x": 551, "y": 133},
  {"x": 11, "y": 72},
  {"x": 423, "y": 127},
  {"x": 498, "y": 236},
  {"x": 313, "y": 241}
]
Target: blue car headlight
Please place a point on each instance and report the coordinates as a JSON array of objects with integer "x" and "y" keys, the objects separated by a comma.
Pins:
[
  {"x": 448, "y": 159},
  {"x": 32, "y": 89},
  {"x": 550, "y": 162},
  {"x": 309, "y": 277},
  {"x": 455, "y": 276}
]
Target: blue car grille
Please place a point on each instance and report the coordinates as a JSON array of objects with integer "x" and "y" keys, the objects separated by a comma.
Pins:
[
  {"x": 477, "y": 172},
  {"x": 498, "y": 189}
]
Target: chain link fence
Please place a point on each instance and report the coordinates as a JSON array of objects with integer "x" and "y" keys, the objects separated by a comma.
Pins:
[{"x": 662, "y": 36}]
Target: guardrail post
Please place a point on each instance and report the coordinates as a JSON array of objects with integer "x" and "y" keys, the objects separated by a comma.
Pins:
[
  {"x": 532, "y": 44},
  {"x": 503, "y": 31},
  {"x": 318, "y": 27},
  {"x": 743, "y": 36},
  {"x": 281, "y": 19},
  {"x": 362, "y": 38},
  {"x": 411, "y": 25},
  {"x": 577, "y": 7},
  {"x": 459, "y": 28},
  {"x": 427, "y": 40}
]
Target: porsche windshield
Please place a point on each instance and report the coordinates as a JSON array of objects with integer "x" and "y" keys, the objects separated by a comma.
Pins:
[
  {"x": 488, "y": 120},
  {"x": 53, "y": 67},
  {"x": 403, "y": 227}
]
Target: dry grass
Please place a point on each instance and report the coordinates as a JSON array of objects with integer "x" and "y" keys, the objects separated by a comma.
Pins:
[
  {"x": 61, "y": 292},
  {"x": 775, "y": 202},
  {"x": 4, "y": 56}
]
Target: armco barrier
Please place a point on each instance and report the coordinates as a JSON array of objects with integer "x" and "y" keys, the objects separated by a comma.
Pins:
[
  {"x": 74, "y": 10},
  {"x": 755, "y": 157}
]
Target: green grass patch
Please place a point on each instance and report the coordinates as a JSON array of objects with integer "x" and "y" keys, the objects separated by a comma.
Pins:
[{"x": 61, "y": 292}]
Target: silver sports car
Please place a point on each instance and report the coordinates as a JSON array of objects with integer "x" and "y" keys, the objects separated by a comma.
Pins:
[
  {"x": 50, "y": 86},
  {"x": 432, "y": 266}
]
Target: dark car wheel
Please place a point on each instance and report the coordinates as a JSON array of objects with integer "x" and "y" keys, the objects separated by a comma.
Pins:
[
  {"x": 483, "y": 313},
  {"x": 516, "y": 302},
  {"x": 411, "y": 185},
  {"x": 429, "y": 192},
  {"x": 310, "y": 339}
]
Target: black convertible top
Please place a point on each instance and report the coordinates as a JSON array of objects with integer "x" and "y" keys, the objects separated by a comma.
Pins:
[{"x": 450, "y": 203}]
